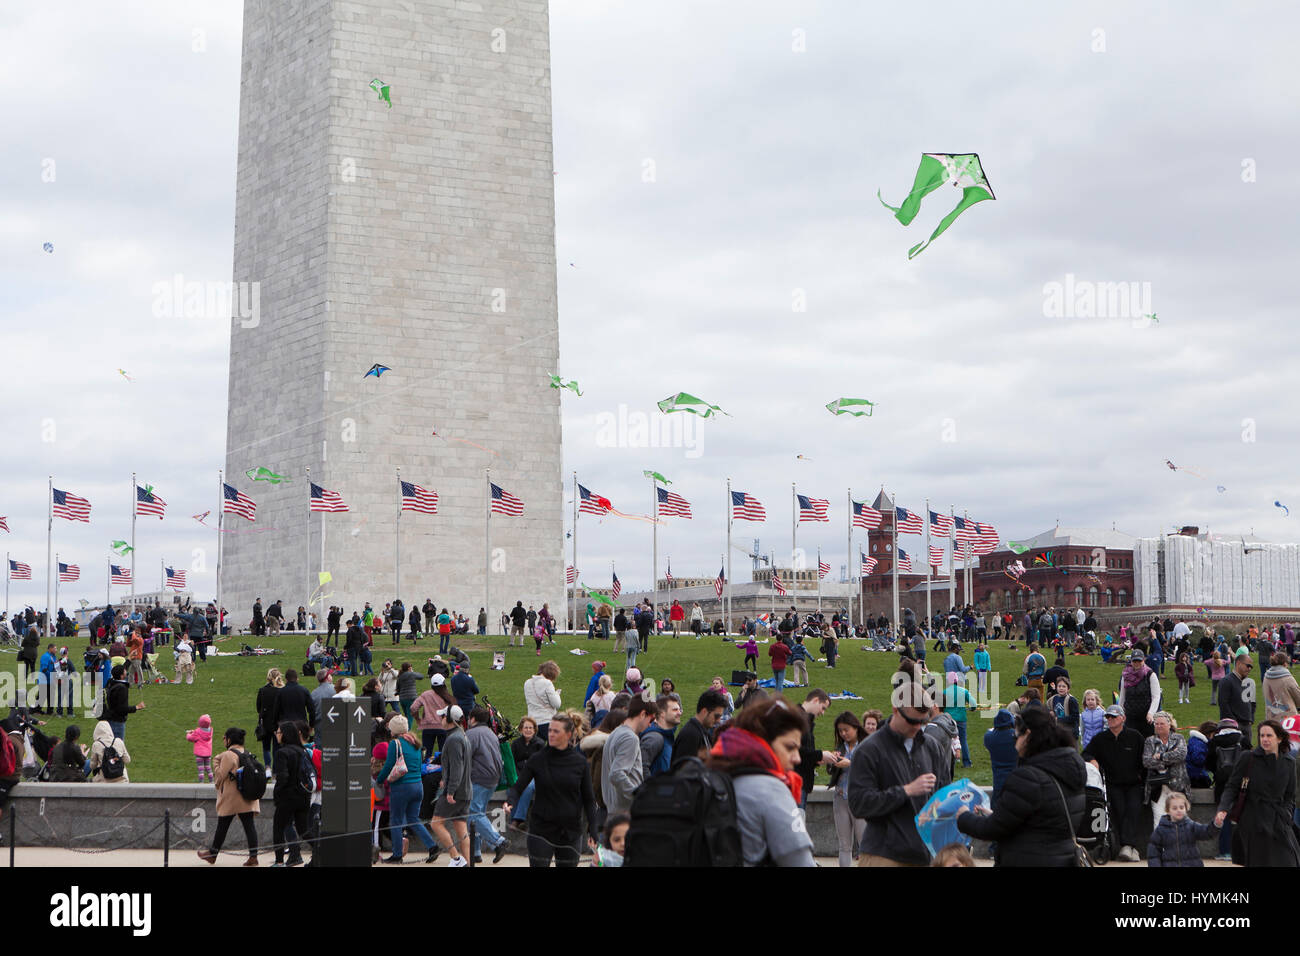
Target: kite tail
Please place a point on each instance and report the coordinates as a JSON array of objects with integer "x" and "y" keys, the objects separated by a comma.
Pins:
[
  {"x": 930, "y": 175},
  {"x": 970, "y": 196}
]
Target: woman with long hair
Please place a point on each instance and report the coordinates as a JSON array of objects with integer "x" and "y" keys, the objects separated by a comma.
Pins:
[
  {"x": 849, "y": 732},
  {"x": 563, "y": 796},
  {"x": 760, "y": 750},
  {"x": 265, "y": 702},
  {"x": 1263, "y": 834}
]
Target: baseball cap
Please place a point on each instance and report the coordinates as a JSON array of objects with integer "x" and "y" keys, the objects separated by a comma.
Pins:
[
  {"x": 1137, "y": 655},
  {"x": 1114, "y": 710},
  {"x": 453, "y": 713},
  {"x": 437, "y": 680},
  {"x": 1230, "y": 723}
]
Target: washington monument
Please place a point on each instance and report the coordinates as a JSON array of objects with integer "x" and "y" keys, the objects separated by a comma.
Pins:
[{"x": 395, "y": 204}]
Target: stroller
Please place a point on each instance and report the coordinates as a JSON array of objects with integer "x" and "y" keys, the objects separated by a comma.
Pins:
[{"x": 1095, "y": 836}]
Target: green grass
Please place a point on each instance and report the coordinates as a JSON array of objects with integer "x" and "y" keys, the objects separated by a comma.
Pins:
[{"x": 226, "y": 687}]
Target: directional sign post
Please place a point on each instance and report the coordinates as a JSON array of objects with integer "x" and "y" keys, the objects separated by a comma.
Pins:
[{"x": 343, "y": 736}]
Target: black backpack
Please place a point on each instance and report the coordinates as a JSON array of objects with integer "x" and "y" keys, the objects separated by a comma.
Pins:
[
  {"x": 306, "y": 776},
  {"x": 249, "y": 776},
  {"x": 111, "y": 766},
  {"x": 685, "y": 817},
  {"x": 1225, "y": 757}
]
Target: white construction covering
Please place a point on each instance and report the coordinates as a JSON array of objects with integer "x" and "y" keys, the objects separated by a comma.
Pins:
[{"x": 1216, "y": 572}]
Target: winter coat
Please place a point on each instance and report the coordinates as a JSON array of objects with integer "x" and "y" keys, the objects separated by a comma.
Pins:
[
  {"x": 881, "y": 766},
  {"x": 103, "y": 739},
  {"x": 1281, "y": 693},
  {"x": 1264, "y": 835},
  {"x": 229, "y": 800},
  {"x": 1000, "y": 742},
  {"x": 201, "y": 737},
  {"x": 1029, "y": 821},
  {"x": 541, "y": 698},
  {"x": 1170, "y": 758},
  {"x": 1198, "y": 749},
  {"x": 1174, "y": 844}
]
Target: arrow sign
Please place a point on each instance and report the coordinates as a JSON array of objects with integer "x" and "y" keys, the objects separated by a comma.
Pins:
[
  {"x": 360, "y": 713},
  {"x": 331, "y": 714}
]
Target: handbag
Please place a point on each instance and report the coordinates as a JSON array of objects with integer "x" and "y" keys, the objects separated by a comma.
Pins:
[
  {"x": 1239, "y": 805},
  {"x": 399, "y": 764},
  {"x": 1081, "y": 857}
]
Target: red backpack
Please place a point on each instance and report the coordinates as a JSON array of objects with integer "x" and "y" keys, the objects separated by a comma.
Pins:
[{"x": 8, "y": 756}]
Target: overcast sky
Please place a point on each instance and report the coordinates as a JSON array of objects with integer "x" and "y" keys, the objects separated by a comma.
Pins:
[{"x": 1123, "y": 155}]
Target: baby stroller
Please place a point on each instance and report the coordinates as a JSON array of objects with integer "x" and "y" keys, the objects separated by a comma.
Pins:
[{"x": 1095, "y": 835}]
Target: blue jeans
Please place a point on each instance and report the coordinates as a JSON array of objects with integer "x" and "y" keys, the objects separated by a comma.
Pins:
[
  {"x": 119, "y": 729},
  {"x": 604, "y": 628},
  {"x": 965, "y": 750},
  {"x": 779, "y": 676},
  {"x": 1225, "y": 839},
  {"x": 482, "y": 825},
  {"x": 444, "y": 642},
  {"x": 482, "y": 631},
  {"x": 525, "y": 801},
  {"x": 404, "y": 813}
]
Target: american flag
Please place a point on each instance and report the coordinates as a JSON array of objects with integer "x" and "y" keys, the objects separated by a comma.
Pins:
[
  {"x": 570, "y": 574},
  {"x": 415, "y": 498},
  {"x": 866, "y": 517},
  {"x": 986, "y": 538},
  {"x": 940, "y": 525},
  {"x": 721, "y": 580},
  {"x": 747, "y": 507},
  {"x": 175, "y": 580},
  {"x": 813, "y": 509},
  {"x": 868, "y": 564},
  {"x": 148, "y": 503},
  {"x": 904, "y": 562},
  {"x": 909, "y": 522},
  {"x": 118, "y": 575},
  {"x": 823, "y": 568},
  {"x": 67, "y": 505},
  {"x": 4, "y": 524},
  {"x": 504, "y": 503},
  {"x": 19, "y": 571},
  {"x": 592, "y": 504},
  {"x": 668, "y": 575},
  {"x": 671, "y": 505},
  {"x": 69, "y": 572},
  {"x": 617, "y": 589},
  {"x": 776, "y": 582},
  {"x": 963, "y": 530},
  {"x": 322, "y": 500},
  {"x": 936, "y": 557},
  {"x": 238, "y": 503}
]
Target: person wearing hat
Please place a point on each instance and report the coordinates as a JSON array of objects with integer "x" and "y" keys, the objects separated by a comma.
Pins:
[
  {"x": 1224, "y": 748},
  {"x": 1000, "y": 742},
  {"x": 1139, "y": 694},
  {"x": 1117, "y": 753},
  {"x": 1237, "y": 694},
  {"x": 406, "y": 791},
  {"x": 892, "y": 774},
  {"x": 597, "y": 669},
  {"x": 426, "y": 709},
  {"x": 457, "y": 790}
]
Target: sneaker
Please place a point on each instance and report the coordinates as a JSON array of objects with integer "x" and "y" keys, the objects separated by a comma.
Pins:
[
  {"x": 1224, "y": 858},
  {"x": 500, "y": 852},
  {"x": 207, "y": 856},
  {"x": 251, "y": 861},
  {"x": 478, "y": 860},
  {"x": 389, "y": 859},
  {"x": 456, "y": 862},
  {"x": 433, "y": 855}
]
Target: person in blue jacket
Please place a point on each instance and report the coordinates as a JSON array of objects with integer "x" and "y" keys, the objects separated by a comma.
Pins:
[
  {"x": 1000, "y": 742},
  {"x": 1173, "y": 842},
  {"x": 45, "y": 682},
  {"x": 464, "y": 687},
  {"x": 983, "y": 664},
  {"x": 597, "y": 669},
  {"x": 953, "y": 663}
]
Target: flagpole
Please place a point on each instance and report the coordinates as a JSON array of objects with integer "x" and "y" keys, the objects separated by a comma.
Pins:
[
  {"x": 56, "y": 584},
  {"x": 308, "y": 542},
  {"x": 575, "y": 554},
  {"x": 654, "y": 571},
  {"x": 398, "y": 547},
  {"x": 49, "y": 549},
  {"x": 8, "y": 574},
  {"x": 894, "y": 528},
  {"x": 727, "y": 556},
  {"x": 487, "y": 548},
  {"x": 221, "y": 510},
  {"x": 819, "y": 580},
  {"x": 162, "y": 574},
  {"x": 929, "y": 610},
  {"x": 952, "y": 570},
  {"x": 109, "y": 585},
  {"x": 848, "y": 557},
  {"x": 772, "y": 584},
  {"x": 133, "y": 498},
  {"x": 965, "y": 569},
  {"x": 322, "y": 561},
  {"x": 794, "y": 547}
]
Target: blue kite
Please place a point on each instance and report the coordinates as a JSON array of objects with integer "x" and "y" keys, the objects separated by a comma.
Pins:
[{"x": 377, "y": 370}]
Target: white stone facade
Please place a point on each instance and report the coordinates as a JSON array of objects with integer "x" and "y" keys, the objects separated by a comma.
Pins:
[{"x": 421, "y": 237}]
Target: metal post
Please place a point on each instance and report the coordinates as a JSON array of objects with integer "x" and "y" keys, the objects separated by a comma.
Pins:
[
  {"x": 727, "y": 583},
  {"x": 471, "y": 844},
  {"x": 13, "y": 812},
  {"x": 133, "y": 498},
  {"x": 397, "y": 547},
  {"x": 929, "y": 611},
  {"x": 654, "y": 551},
  {"x": 487, "y": 548},
  {"x": 848, "y": 620},
  {"x": 308, "y": 535},
  {"x": 575, "y": 555},
  {"x": 167, "y": 836}
]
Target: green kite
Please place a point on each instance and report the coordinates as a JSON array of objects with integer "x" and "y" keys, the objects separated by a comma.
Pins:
[
  {"x": 380, "y": 87},
  {"x": 600, "y": 598},
  {"x": 684, "y": 402},
  {"x": 121, "y": 547},
  {"x": 557, "y": 382},
  {"x": 266, "y": 474},
  {"x": 960, "y": 169},
  {"x": 1017, "y": 547},
  {"x": 656, "y": 476},
  {"x": 857, "y": 407}
]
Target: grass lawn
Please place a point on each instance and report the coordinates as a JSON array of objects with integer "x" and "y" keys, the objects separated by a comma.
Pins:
[{"x": 225, "y": 687}]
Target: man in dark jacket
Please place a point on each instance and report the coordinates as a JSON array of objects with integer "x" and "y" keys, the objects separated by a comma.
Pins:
[
  {"x": 259, "y": 622},
  {"x": 464, "y": 687},
  {"x": 396, "y": 618},
  {"x": 696, "y": 735},
  {"x": 332, "y": 622},
  {"x": 518, "y": 618},
  {"x": 814, "y": 705},
  {"x": 116, "y": 705},
  {"x": 658, "y": 739},
  {"x": 1117, "y": 753},
  {"x": 293, "y": 702},
  {"x": 430, "y": 616},
  {"x": 1236, "y": 697},
  {"x": 645, "y": 621},
  {"x": 892, "y": 774},
  {"x": 1000, "y": 742}
]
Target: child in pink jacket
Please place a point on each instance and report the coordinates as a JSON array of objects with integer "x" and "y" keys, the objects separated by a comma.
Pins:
[
  {"x": 750, "y": 647},
  {"x": 202, "y": 739}
]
